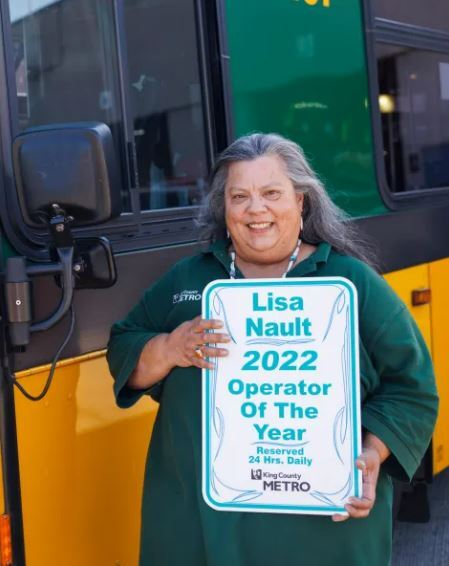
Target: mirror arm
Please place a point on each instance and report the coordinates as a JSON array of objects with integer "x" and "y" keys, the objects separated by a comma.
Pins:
[
  {"x": 36, "y": 269},
  {"x": 18, "y": 293},
  {"x": 66, "y": 258}
]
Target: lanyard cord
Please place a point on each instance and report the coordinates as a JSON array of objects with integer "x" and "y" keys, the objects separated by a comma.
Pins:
[{"x": 291, "y": 263}]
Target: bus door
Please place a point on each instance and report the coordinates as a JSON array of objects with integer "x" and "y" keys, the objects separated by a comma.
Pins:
[{"x": 151, "y": 71}]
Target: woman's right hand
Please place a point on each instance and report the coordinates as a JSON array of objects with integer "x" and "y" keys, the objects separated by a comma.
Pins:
[
  {"x": 189, "y": 344},
  {"x": 193, "y": 341}
]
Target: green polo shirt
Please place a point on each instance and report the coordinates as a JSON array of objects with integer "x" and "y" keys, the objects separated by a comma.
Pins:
[{"x": 399, "y": 405}]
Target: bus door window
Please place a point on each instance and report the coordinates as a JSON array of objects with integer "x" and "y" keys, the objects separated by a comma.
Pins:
[
  {"x": 166, "y": 102},
  {"x": 414, "y": 104},
  {"x": 412, "y": 51},
  {"x": 66, "y": 64}
]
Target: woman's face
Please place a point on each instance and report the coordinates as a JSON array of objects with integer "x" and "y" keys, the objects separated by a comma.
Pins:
[{"x": 262, "y": 210}]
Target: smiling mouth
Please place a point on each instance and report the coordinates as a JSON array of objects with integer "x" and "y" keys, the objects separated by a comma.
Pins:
[{"x": 259, "y": 225}]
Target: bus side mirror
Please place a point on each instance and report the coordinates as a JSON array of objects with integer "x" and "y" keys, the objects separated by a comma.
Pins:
[
  {"x": 71, "y": 165},
  {"x": 66, "y": 176}
]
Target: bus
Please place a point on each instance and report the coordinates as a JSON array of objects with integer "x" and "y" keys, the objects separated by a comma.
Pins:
[{"x": 361, "y": 85}]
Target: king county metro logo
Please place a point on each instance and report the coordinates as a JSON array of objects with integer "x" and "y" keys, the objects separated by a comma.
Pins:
[
  {"x": 279, "y": 482},
  {"x": 186, "y": 295}
]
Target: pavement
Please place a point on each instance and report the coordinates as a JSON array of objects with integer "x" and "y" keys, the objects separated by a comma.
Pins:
[{"x": 426, "y": 544}]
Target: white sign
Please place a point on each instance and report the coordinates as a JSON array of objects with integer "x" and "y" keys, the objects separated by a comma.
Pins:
[{"x": 281, "y": 413}]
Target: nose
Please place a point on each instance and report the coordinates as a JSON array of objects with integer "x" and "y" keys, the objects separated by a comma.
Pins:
[{"x": 256, "y": 204}]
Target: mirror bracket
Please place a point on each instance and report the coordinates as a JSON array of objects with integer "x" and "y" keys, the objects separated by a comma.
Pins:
[
  {"x": 84, "y": 263},
  {"x": 59, "y": 225},
  {"x": 94, "y": 265}
]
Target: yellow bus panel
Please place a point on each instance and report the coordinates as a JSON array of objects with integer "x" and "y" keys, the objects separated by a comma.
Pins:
[
  {"x": 433, "y": 321},
  {"x": 439, "y": 279},
  {"x": 404, "y": 282},
  {"x": 81, "y": 467}
]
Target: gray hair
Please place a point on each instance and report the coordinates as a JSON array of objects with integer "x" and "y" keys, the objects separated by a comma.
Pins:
[{"x": 323, "y": 220}]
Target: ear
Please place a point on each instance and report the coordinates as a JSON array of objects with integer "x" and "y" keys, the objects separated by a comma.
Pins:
[{"x": 300, "y": 199}]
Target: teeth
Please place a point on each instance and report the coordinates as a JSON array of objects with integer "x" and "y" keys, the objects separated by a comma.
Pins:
[{"x": 259, "y": 225}]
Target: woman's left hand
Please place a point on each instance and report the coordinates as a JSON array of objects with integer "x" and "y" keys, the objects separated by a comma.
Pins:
[{"x": 374, "y": 453}]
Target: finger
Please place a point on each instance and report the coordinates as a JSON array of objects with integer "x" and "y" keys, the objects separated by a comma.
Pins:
[
  {"x": 202, "y": 324},
  {"x": 202, "y": 363},
  {"x": 361, "y": 503},
  {"x": 214, "y": 338},
  {"x": 214, "y": 352},
  {"x": 200, "y": 357},
  {"x": 368, "y": 459},
  {"x": 361, "y": 465},
  {"x": 339, "y": 518},
  {"x": 369, "y": 483},
  {"x": 369, "y": 489},
  {"x": 357, "y": 513}
]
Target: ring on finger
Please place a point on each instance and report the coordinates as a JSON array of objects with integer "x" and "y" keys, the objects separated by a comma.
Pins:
[{"x": 199, "y": 352}]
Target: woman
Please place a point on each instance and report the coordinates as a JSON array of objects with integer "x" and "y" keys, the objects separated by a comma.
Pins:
[{"x": 268, "y": 215}]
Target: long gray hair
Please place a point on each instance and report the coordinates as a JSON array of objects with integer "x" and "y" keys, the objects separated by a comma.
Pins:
[{"x": 323, "y": 220}]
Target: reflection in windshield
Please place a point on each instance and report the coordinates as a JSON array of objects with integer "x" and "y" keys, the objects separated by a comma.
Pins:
[
  {"x": 66, "y": 64},
  {"x": 20, "y": 9}
]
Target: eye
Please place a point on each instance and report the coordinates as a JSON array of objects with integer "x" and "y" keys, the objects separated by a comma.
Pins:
[
  {"x": 237, "y": 197},
  {"x": 273, "y": 194}
]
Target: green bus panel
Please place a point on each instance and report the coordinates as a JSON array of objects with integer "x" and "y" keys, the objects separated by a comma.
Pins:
[{"x": 298, "y": 67}]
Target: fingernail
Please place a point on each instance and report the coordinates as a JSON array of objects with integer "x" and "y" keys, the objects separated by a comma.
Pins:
[{"x": 338, "y": 518}]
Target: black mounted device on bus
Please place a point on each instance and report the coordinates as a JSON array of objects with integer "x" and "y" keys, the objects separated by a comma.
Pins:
[
  {"x": 66, "y": 177},
  {"x": 72, "y": 165}
]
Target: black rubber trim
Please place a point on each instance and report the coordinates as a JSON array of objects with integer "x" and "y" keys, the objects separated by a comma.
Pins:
[
  {"x": 225, "y": 60},
  {"x": 8, "y": 441},
  {"x": 409, "y": 237},
  {"x": 11, "y": 474},
  {"x": 411, "y": 35},
  {"x": 9, "y": 208}
]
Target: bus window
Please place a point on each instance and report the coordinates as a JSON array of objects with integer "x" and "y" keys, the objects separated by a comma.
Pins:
[
  {"x": 66, "y": 64},
  {"x": 414, "y": 106},
  {"x": 166, "y": 102},
  {"x": 413, "y": 72},
  {"x": 425, "y": 13}
]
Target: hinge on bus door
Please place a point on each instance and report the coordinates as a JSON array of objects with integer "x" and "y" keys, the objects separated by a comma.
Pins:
[{"x": 18, "y": 284}]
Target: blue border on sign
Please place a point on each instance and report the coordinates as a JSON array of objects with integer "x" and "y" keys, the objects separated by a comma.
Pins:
[{"x": 206, "y": 385}]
